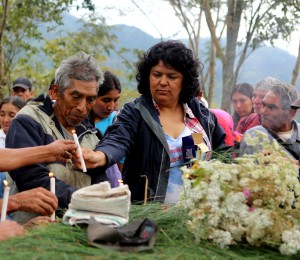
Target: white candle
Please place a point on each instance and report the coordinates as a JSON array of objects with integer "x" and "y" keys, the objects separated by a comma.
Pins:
[
  {"x": 52, "y": 189},
  {"x": 120, "y": 183},
  {"x": 79, "y": 151},
  {"x": 5, "y": 201}
]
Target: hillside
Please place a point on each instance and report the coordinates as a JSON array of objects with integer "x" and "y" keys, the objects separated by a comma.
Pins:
[{"x": 266, "y": 61}]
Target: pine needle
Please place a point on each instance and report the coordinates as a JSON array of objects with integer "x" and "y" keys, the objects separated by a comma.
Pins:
[{"x": 59, "y": 241}]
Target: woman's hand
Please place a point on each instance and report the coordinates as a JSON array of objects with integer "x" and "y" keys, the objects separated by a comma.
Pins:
[
  {"x": 61, "y": 150},
  {"x": 37, "y": 200},
  {"x": 91, "y": 158},
  {"x": 10, "y": 229}
]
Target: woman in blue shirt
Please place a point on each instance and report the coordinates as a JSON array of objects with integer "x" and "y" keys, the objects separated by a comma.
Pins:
[
  {"x": 103, "y": 114},
  {"x": 107, "y": 101}
]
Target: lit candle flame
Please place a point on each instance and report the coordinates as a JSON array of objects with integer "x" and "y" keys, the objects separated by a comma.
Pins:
[
  {"x": 187, "y": 175},
  {"x": 120, "y": 182},
  {"x": 51, "y": 174},
  {"x": 5, "y": 183},
  {"x": 73, "y": 132}
]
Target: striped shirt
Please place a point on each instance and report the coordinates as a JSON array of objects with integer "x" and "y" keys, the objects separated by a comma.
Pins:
[{"x": 191, "y": 122}]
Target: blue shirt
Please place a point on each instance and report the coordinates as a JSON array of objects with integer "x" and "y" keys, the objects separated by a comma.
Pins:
[{"x": 105, "y": 122}]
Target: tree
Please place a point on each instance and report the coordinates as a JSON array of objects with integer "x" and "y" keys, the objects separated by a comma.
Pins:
[
  {"x": 96, "y": 37},
  {"x": 262, "y": 21},
  {"x": 20, "y": 20},
  {"x": 296, "y": 68},
  {"x": 190, "y": 15}
]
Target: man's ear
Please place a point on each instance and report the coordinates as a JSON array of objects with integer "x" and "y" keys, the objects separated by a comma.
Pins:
[
  {"x": 54, "y": 91},
  {"x": 293, "y": 112}
]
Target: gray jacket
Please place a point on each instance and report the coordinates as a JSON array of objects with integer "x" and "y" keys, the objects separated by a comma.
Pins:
[{"x": 291, "y": 146}]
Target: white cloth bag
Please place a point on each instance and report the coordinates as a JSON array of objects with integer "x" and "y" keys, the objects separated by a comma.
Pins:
[{"x": 99, "y": 200}]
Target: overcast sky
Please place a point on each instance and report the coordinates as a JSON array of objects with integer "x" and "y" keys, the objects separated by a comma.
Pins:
[{"x": 160, "y": 20}]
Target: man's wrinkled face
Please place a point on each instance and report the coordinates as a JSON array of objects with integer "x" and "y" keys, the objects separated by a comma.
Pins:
[
  {"x": 75, "y": 103},
  {"x": 273, "y": 115},
  {"x": 258, "y": 96}
]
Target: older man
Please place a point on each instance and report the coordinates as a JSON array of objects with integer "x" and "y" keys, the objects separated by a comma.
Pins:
[
  {"x": 261, "y": 88},
  {"x": 277, "y": 121},
  {"x": 75, "y": 90}
]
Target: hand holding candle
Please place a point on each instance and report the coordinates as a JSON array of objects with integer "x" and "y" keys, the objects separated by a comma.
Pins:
[
  {"x": 52, "y": 189},
  {"x": 79, "y": 151},
  {"x": 5, "y": 201}
]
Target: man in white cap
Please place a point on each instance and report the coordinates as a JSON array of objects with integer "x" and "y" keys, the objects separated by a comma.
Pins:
[{"x": 22, "y": 88}]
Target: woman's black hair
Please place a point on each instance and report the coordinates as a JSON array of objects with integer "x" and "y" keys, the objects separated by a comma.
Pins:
[
  {"x": 176, "y": 55},
  {"x": 110, "y": 82},
  {"x": 245, "y": 89},
  {"x": 15, "y": 100}
]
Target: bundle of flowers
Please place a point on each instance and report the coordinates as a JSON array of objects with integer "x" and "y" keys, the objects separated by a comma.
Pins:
[{"x": 253, "y": 199}]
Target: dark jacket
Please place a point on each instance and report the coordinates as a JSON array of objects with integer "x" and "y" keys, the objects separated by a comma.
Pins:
[
  {"x": 137, "y": 133},
  {"x": 36, "y": 125}
]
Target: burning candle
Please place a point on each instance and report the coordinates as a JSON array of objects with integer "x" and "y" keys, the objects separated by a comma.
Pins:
[
  {"x": 120, "y": 183},
  {"x": 5, "y": 201},
  {"x": 52, "y": 189},
  {"x": 79, "y": 151}
]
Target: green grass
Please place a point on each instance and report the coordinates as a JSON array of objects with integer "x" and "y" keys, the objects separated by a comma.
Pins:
[{"x": 58, "y": 241}]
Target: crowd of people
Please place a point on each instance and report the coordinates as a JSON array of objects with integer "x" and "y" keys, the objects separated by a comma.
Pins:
[{"x": 141, "y": 143}]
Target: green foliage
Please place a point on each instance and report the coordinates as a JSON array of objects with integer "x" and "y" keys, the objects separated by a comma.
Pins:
[
  {"x": 94, "y": 36},
  {"x": 271, "y": 20},
  {"x": 21, "y": 26},
  {"x": 58, "y": 241}
]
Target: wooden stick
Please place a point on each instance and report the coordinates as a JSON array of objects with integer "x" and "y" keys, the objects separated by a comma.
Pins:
[{"x": 146, "y": 190}]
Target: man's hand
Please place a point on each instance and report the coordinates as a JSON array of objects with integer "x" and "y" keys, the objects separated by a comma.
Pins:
[
  {"x": 61, "y": 150},
  {"x": 38, "y": 222},
  {"x": 92, "y": 159},
  {"x": 37, "y": 200},
  {"x": 10, "y": 229}
]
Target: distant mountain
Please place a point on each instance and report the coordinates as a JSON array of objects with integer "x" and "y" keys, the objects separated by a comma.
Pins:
[
  {"x": 265, "y": 61},
  {"x": 133, "y": 37}
]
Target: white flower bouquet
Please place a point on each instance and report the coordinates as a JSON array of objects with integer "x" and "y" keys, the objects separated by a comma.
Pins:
[{"x": 252, "y": 200}]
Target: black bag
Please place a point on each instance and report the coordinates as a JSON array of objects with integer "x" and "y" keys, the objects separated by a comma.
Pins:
[{"x": 138, "y": 235}]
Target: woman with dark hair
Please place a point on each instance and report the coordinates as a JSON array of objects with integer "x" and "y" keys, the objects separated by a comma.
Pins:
[
  {"x": 243, "y": 116},
  {"x": 103, "y": 114},
  {"x": 149, "y": 131},
  {"x": 107, "y": 101},
  {"x": 9, "y": 107}
]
